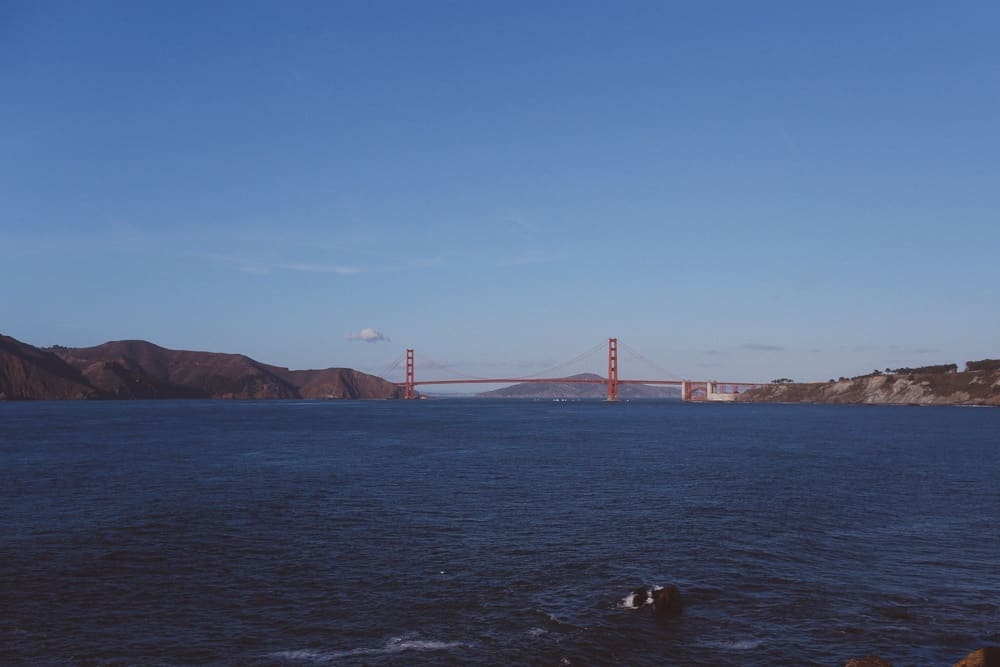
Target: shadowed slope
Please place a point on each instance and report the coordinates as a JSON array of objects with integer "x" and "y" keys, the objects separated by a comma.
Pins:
[{"x": 28, "y": 373}]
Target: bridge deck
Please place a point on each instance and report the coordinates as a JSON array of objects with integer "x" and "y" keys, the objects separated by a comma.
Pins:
[{"x": 574, "y": 381}]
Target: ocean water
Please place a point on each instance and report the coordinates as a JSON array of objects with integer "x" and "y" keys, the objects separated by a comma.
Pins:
[{"x": 494, "y": 533}]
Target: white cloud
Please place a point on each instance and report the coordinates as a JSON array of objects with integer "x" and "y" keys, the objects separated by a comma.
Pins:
[
  {"x": 339, "y": 269},
  {"x": 369, "y": 335},
  {"x": 259, "y": 270},
  {"x": 262, "y": 266},
  {"x": 529, "y": 257},
  {"x": 761, "y": 347}
]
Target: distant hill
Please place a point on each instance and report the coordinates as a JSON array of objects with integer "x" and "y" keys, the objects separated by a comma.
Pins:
[
  {"x": 137, "y": 369},
  {"x": 979, "y": 384},
  {"x": 580, "y": 391}
]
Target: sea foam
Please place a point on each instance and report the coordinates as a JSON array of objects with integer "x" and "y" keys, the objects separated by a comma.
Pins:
[{"x": 393, "y": 645}]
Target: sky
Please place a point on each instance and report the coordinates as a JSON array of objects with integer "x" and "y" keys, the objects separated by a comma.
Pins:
[{"x": 735, "y": 190}]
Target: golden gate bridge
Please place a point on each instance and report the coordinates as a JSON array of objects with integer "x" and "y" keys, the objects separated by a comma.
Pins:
[{"x": 691, "y": 390}]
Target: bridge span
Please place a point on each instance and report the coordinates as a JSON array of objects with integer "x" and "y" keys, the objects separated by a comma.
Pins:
[{"x": 691, "y": 390}]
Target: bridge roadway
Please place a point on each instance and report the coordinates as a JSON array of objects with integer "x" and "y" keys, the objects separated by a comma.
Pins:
[{"x": 541, "y": 380}]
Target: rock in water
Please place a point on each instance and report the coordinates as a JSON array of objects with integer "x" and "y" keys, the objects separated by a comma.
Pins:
[
  {"x": 667, "y": 601},
  {"x": 868, "y": 661},
  {"x": 984, "y": 657}
]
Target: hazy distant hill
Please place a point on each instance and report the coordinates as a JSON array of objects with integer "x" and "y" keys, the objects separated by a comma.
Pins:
[
  {"x": 572, "y": 390},
  {"x": 136, "y": 369}
]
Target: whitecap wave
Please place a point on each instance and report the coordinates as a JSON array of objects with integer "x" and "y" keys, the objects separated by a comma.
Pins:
[
  {"x": 736, "y": 645},
  {"x": 630, "y": 601},
  {"x": 393, "y": 645},
  {"x": 303, "y": 655}
]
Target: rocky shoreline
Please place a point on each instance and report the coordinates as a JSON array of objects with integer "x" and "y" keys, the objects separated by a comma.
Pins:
[
  {"x": 988, "y": 656},
  {"x": 977, "y": 385},
  {"x": 665, "y": 601}
]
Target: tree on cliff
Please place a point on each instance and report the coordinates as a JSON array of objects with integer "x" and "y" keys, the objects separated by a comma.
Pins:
[{"x": 982, "y": 365}]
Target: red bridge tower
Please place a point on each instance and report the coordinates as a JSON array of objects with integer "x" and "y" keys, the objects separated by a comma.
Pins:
[
  {"x": 612, "y": 369},
  {"x": 409, "y": 388}
]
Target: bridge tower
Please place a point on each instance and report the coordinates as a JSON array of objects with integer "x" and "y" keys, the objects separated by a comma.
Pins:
[
  {"x": 409, "y": 389},
  {"x": 612, "y": 369}
]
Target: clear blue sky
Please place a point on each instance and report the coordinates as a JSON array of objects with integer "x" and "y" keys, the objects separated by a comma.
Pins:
[{"x": 737, "y": 190}]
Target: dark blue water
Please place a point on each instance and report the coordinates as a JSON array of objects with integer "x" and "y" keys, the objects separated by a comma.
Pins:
[{"x": 489, "y": 533}]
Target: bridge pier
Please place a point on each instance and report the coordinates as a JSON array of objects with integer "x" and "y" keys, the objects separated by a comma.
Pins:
[{"x": 691, "y": 390}]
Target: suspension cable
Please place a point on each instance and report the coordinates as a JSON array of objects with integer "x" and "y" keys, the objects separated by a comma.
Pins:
[
  {"x": 392, "y": 367},
  {"x": 445, "y": 367},
  {"x": 578, "y": 358},
  {"x": 544, "y": 372},
  {"x": 669, "y": 374},
  {"x": 388, "y": 369}
]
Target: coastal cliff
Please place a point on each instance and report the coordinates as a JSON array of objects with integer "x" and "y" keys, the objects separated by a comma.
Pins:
[
  {"x": 978, "y": 384},
  {"x": 137, "y": 369}
]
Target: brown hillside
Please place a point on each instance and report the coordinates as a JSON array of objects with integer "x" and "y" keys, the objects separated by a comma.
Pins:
[
  {"x": 28, "y": 373},
  {"x": 341, "y": 383},
  {"x": 139, "y": 369}
]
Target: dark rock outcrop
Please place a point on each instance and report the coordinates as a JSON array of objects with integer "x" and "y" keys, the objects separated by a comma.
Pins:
[{"x": 667, "y": 601}]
